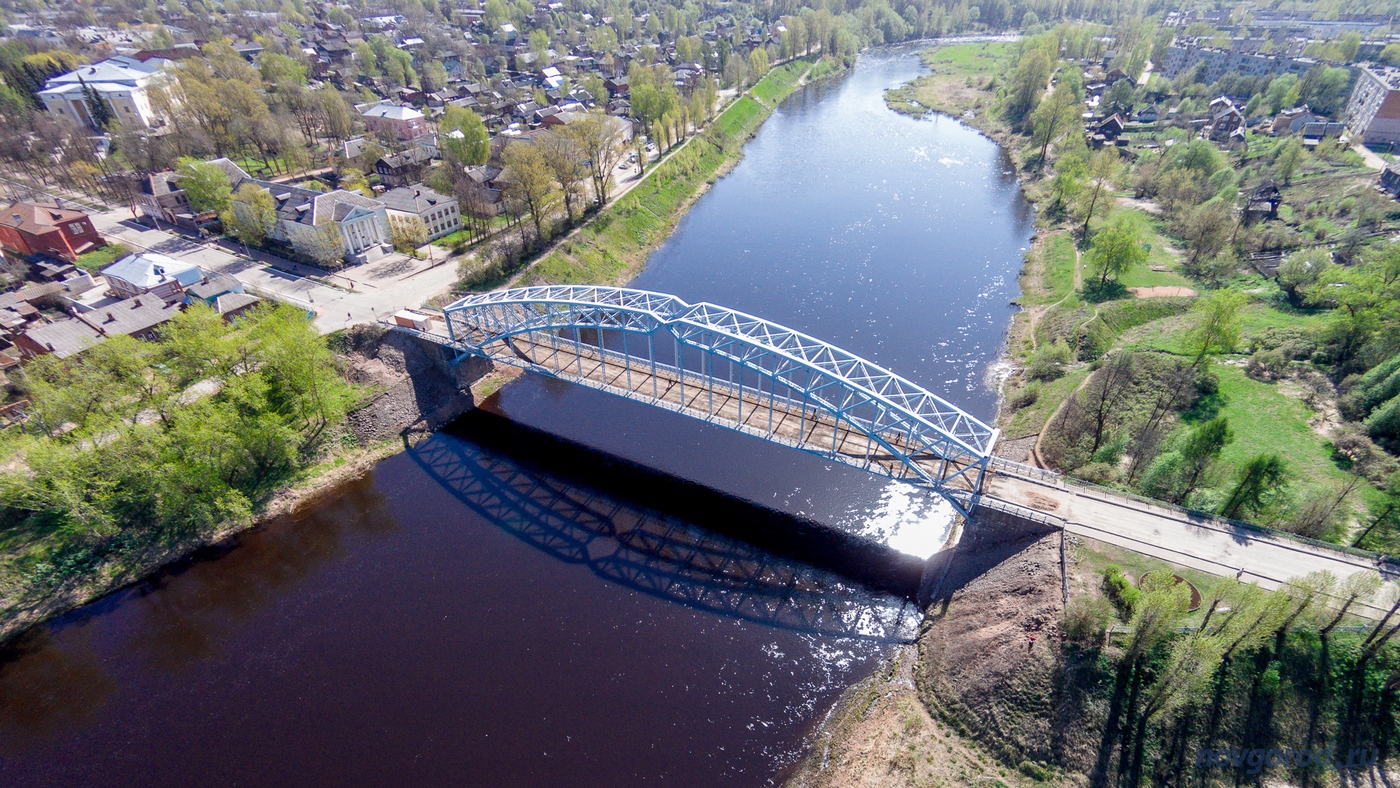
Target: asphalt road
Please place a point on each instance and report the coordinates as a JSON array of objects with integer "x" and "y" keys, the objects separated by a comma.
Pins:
[
  {"x": 1208, "y": 546},
  {"x": 362, "y": 294}
]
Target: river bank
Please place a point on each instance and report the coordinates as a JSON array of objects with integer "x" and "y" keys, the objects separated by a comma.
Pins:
[
  {"x": 616, "y": 244},
  {"x": 410, "y": 398},
  {"x": 410, "y": 393}
]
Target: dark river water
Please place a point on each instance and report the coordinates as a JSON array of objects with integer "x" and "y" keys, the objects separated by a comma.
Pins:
[{"x": 498, "y": 607}]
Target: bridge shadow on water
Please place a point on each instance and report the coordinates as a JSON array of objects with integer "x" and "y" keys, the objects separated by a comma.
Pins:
[{"x": 671, "y": 538}]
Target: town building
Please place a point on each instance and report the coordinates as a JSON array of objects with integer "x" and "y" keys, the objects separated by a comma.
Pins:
[
  {"x": 438, "y": 212},
  {"x": 362, "y": 222},
  {"x": 150, "y": 273},
  {"x": 1373, "y": 112},
  {"x": 404, "y": 124},
  {"x": 160, "y": 197},
  {"x": 1181, "y": 57},
  {"x": 28, "y": 228},
  {"x": 138, "y": 317},
  {"x": 405, "y": 167},
  {"x": 124, "y": 83},
  {"x": 1390, "y": 180}
]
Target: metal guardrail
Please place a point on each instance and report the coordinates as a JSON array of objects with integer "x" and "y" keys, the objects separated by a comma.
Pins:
[
  {"x": 1210, "y": 518},
  {"x": 1023, "y": 471},
  {"x": 1023, "y": 512},
  {"x": 1032, "y": 473}
]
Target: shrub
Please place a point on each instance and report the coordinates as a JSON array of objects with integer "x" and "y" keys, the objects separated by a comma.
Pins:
[
  {"x": 1048, "y": 362},
  {"x": 1085, "y": 620},
  {"x": 1123, "y": 594},
  {"x": 1267, "y": 365},
  {"x": 1097, "y": 473},
  {"x": 1023, "y": 397}
]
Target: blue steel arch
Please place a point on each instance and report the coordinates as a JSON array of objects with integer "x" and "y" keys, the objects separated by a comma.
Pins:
[{"x": 936, "y": 444}]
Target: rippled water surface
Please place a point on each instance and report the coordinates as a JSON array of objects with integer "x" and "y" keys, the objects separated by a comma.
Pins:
[{"x": 493, "y": 608}]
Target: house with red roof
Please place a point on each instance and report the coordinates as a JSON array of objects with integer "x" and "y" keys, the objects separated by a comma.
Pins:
[{"x": 28, "y": 228}]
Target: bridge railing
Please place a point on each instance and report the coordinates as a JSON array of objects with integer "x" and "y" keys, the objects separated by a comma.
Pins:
[
  {"x": 1023, "y": 471},
  {"x": 721, "y": 386},
  {"x": 1023, "y": 512}
]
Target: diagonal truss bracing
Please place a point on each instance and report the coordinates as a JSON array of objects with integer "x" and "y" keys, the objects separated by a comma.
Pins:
[{"x": 733, "y": 369}]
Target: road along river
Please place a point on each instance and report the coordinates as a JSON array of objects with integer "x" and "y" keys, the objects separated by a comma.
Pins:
[{"x": 494, "y": 607}]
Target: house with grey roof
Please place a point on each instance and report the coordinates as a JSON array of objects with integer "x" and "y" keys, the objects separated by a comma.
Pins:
[
  {"x": 121, "y": 82},
  {"x": 138, "y": 317},
  {"x": 361, "y": 222},
  {"x": 151, "y": 273},
  {"x": 438, "y": 212}
]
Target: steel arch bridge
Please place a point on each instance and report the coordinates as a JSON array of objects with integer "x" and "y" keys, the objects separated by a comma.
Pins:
[{"x": 736, "y": 370}]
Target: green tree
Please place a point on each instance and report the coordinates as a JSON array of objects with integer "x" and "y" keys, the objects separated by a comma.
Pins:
[
  {"x": 252, "y": 214},
  {"x": 1216, "y": 327},
  {"x": 530, "y": 184},
  {"x": 279, "y": 69},
  {"x": 407, "y": 233},
  {"x": 99, "y": 111},
  {"x": 205, "y": 185},
  {"x": 758, "y": 62},
  {"x": 1028, "y": 81},
  {"x": 1206, "y": 229},
  {"x": 539, "y": 47},
  {"x": 1282, "y": 93},
  {"x": 1096, "y": 198},
  {"x": 1117, "y": 248},
  {"x": 464, "y": 136},
  {"x": 603, "y": 141},
  {"x": 1201, "y": 450},
  {"x": 323, "y": 244},
  {"x": 1262, "y": 476},
  {"x": 1053, "y": 119},
  {"x": 1287, "y": 159},
  {"x": 566, "y": 161},
  {"x": 1119, "y": 98}
]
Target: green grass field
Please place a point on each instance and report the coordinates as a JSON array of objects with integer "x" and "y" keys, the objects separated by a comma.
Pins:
[
  {"x": 1059, "y": 268},
  {"x": 979, "y": 57},
  {"x": 98, "y": 259},
  {"x": 1265, "y": 419},
  {"x": 778, "y": 83}
]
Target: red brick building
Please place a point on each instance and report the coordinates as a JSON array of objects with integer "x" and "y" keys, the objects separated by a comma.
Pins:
[{"x": 43, "y": 228}]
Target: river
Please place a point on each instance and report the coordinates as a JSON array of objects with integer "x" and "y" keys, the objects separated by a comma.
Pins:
[{"x": 494, "y": 607}]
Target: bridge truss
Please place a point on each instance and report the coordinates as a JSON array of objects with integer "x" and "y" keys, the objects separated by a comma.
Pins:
[{"x": 736, "y": 370}]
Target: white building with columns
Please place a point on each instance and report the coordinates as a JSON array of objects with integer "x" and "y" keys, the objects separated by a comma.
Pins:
[
  {"x": 362, "y": 222},
  {"x": 123, "y": 83}
]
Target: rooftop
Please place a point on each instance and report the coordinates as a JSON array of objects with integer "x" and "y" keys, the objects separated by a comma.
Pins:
[
  {"x": 413, "y": 199},
  {"x": 148, "y": 270},
  {"x": 392, "y": 112}
]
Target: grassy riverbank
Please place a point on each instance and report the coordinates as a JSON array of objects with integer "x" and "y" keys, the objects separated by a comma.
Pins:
[
  {"x": 957, "y": 84},
  {"x": 137, "y": 454},
  {"x": 615, "y": 245},
  {"x": 1179, "y": 374}
]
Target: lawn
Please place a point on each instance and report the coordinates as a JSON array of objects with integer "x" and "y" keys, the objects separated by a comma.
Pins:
[
  {"x": 1058, "y": 262},
  {"x": 1030, "y": 419},
  {"x": 779, "y": 82},
  {"x": 1274, "y": 422},
  {"x": 981, "y": 57},
  {"x": 98, "y": 259}
]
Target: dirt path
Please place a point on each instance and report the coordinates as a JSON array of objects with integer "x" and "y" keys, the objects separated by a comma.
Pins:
[{"x": 1039, "y": 312}]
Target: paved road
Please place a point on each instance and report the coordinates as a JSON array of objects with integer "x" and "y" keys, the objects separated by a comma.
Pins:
[
  {"x": 1211, "y": 547},
  {"x": 1372, "y": 159},
  {"x": 362, "y": 294}
]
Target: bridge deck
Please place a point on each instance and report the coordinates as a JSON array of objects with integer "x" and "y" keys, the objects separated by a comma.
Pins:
[{"x": 757, "y": 411}]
